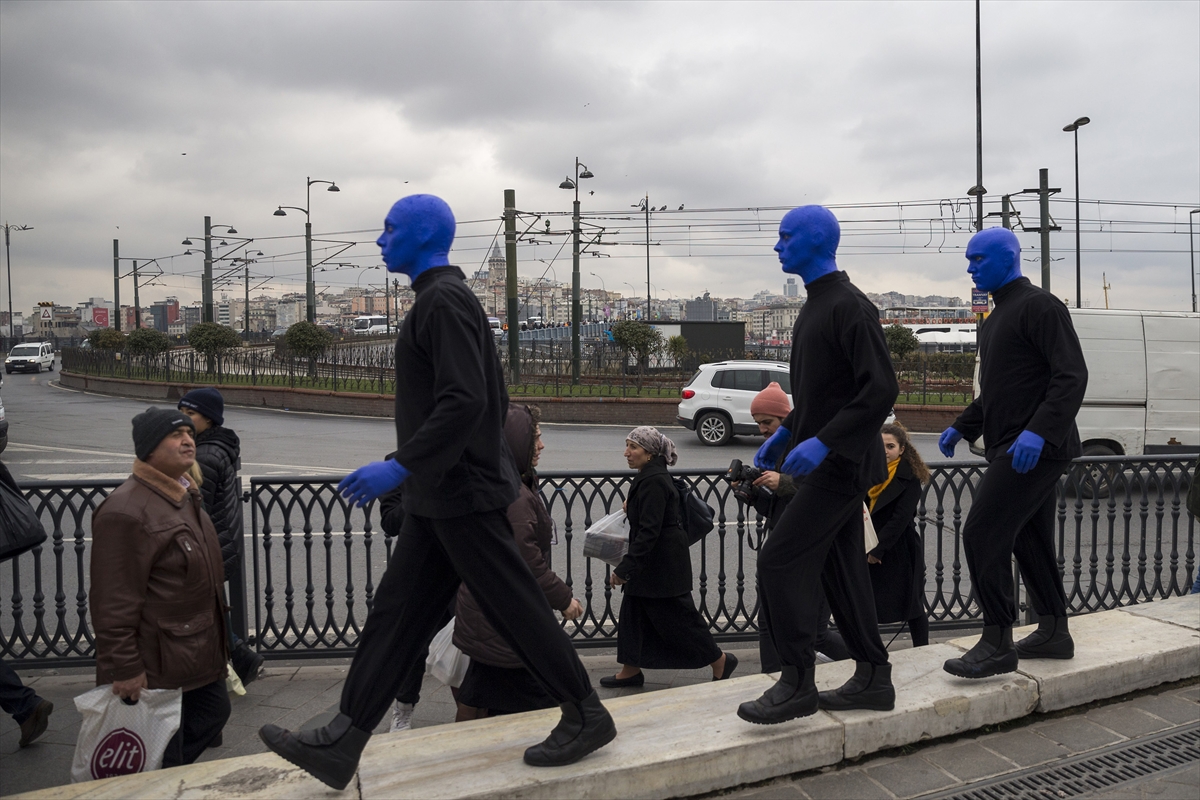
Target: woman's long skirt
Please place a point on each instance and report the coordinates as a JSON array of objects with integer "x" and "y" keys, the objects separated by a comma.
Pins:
[
  {"x": 501, "y": 690},
  {"x": 664, "y": 633}
]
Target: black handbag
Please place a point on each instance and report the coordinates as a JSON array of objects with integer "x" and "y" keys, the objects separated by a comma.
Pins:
[
  {"x": 697, "y": 516},
  {"x": 20, "y": 528}
]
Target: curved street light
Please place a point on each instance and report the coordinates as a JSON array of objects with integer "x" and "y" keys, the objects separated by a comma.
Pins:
[
  {"x": 310, "y": 291},
  {"x": 8, "y": 261},
  {"x": 1073, "y": 128},
  {"x": 576, "y": 308}
]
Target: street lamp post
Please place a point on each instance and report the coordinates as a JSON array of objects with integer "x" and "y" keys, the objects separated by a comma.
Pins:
[
  {"x": 8, "y": 261},
  {"x": 576, "y": 310},
  {"x": 310, "y": 290},
  {"x": 206, "y": 282},
  {"x": 604, "y": 289},
  {"x": 1073, "y": 128}
]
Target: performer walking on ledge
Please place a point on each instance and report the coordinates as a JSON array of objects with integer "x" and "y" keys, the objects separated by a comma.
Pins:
[
  {"x": 459, "y": 479},
  {"x": 1032, "y": 377},
  {"x": 843, "y": 386}
]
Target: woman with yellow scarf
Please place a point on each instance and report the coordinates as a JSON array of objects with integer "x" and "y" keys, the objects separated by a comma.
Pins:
[{"x": 897, "y": 564}]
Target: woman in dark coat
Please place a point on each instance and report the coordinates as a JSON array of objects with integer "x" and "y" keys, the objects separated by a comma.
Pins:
[
  {"x": 496, "y": 681},
  {"x": 659, "y": 626},
  {"x": 897, "y": 564}
]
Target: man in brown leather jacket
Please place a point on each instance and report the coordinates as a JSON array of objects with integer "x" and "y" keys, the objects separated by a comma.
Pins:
[{"x": 156, "y": 599}]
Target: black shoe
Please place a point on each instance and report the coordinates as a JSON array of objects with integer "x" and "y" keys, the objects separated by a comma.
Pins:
[
  {"x": 613, "y": 682},
  {"x": 246, "y": 663},
  {"x": 330, "y": 754},
  {"x": 1050, "y": 640},
  {"x": 731, "y": 662},
  {"x": 870, "y": 687},
  {"x": 793, "y": 696},
  {"x": 584, "y": 728},
  {"x": 35, "y": 725},
  {"x": 993, "y": 654},
  {"x": 217, "y": 741}
]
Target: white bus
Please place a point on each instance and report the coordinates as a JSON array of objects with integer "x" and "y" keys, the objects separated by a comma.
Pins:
[{"x": 370, "y": 326}]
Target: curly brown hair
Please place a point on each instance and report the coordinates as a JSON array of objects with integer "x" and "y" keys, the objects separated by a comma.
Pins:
[{"x": 908, "y": 452}]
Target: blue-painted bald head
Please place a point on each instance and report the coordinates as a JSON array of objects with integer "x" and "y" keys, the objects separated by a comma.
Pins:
[
  {"x": 993, "y": 258},
  {"x": 417, "y": 235},
  {"x": 808, "y": 242}
]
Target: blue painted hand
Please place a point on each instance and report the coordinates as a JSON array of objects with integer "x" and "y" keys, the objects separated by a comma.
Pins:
[
  {"x": 993, "y": 258},
  {"x": 768, "y": 455},
  {"x": 808, "y": 242},
  {"x": 369, "y": 482},
  {"x": 805, "y": 457},
  {"x": 947, "y": 441},
  {"x": 1026, "y": 451},
  {"x": 417, "y": 235}
]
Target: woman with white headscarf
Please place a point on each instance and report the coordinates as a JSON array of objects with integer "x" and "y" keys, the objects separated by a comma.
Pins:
[{"x": 659, "y": 626}]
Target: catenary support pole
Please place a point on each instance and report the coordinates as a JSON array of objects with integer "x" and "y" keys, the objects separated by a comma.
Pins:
[
  {"x": 647, "y": 257},
  {"x": 137, "y": 308},
  {"x": 576, "y": 310},
  {"x": 207, "y": 289},
  {"x": 510, "y": 285},
  {"x": 116, "y": 322}
]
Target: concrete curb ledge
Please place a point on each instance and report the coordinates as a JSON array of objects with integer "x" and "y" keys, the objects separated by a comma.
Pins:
[{"x": 689, "y": 740}]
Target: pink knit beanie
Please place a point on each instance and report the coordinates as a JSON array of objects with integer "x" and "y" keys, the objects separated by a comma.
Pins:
[{"x": 771, "y": 400}]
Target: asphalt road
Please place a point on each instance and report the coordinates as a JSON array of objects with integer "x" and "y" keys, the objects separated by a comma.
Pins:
[{"x": 59, "y": 433}]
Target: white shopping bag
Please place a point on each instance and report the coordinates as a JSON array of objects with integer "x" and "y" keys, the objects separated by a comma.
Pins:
[
  {"x": 446, "y": 662},
  {"x": 607, "y": 539},
  {"x": 120, "y": 739},
  {"x": 869, "y": 538}
]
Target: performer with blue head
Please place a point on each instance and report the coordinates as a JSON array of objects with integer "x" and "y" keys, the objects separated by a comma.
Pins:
[
  {"x": 459, "y": 479},
  {"x": 843, "y": 387},
  {"x": 1032, "y": 378}
]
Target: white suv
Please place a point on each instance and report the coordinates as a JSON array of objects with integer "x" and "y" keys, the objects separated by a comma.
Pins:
[
  {"x": 716, "y": 401},
  {"x": 30, "y": 357}
]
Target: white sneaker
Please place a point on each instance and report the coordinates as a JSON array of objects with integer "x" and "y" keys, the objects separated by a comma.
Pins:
[{"x": 401, "y": 716}]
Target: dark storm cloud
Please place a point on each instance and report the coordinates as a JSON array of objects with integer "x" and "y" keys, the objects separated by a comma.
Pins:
[{"x": 704, "y": 104}]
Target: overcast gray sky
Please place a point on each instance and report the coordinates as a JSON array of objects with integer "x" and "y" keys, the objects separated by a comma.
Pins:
[{"x": 709, "y": 105}]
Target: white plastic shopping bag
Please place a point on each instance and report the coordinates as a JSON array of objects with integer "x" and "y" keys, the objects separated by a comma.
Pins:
[
  {"x": 120, "y": 739},
  {"x": 446, "y": 662},
  {"x": 869, "y": 538},
  {"x": 608, "y": 538}
]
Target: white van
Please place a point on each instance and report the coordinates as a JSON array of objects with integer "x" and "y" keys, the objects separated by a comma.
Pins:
[
  {"x": 30, "y": 357},
  {"x": 1143, "y": 393}
]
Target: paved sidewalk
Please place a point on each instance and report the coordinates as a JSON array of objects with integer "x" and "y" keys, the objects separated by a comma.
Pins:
[
  {"x": 913, "y": 771},
  {"x": 288, "y": 694}
]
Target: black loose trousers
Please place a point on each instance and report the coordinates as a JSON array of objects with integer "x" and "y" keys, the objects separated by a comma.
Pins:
[
  {"x": 429, "y": 558},
  {"x": 843, "y": 386},
  {"x": 1032, "y": 376}
]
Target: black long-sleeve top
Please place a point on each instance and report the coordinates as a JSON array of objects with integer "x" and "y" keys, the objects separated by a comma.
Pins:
[
  {"x": 451, "y": 403},
  {"x": 1032, "y": 375},
  {"x": 843, "y": 384},
  {"x": 657, "y": 563}
]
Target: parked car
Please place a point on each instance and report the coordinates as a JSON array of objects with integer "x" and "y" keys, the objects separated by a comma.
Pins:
[
  {"x": 30, "y": 357},
  {"x": 716, "y": 401}
]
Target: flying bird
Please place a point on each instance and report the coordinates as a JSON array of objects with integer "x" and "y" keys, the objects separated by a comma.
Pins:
[{"x": 592, "y": 192}]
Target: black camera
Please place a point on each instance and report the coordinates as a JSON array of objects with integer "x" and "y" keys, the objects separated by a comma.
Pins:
[{"x": 742, "y": 476}]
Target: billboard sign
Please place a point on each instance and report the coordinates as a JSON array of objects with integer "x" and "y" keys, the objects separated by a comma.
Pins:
[
  {"x": 100, "y": 317},
  {"x": 979, "y": 301}
]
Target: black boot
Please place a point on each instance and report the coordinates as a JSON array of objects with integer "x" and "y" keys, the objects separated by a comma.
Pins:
[
  {"x": 870, "y": 687},
  {"x": 793, "y": 696},
  {"x": 993, "y": 654},
  {"x": 246, "y": 663},
  {"x": 584, "y": 728},
  {"x": 330, "y": 754},
  {"x": 1050, "y": 640}
]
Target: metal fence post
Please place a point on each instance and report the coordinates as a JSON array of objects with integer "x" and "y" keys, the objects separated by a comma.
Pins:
[{"x": 237, "y": 585}]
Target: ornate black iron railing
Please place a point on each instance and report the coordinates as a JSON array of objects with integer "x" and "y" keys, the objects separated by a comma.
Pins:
[{"x": 312, "y": 562}]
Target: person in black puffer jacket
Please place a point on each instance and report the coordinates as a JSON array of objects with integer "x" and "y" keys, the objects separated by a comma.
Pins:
[{"x": 219, "y": 456}]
